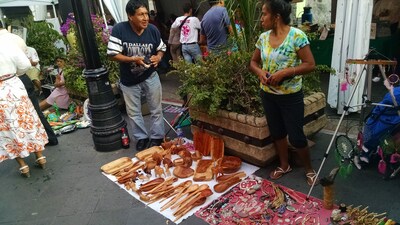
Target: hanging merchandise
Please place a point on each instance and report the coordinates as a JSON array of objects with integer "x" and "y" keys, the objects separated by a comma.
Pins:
[{"x": 125, "y": 138}]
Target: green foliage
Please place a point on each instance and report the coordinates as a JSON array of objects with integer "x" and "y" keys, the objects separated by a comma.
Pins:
[
  {"x": 221, "y": 82},
  {"x": 224, "y": 81},
  {"x": 246, "y": 14},
  {"x": 74, "y": 81},
  {"x": 312, "y": 81},
  {"x": 42, "y": 36}
]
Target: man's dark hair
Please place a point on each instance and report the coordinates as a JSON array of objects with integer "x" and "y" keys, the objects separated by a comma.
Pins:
[
  {"x": 133, "y": 5},
  {"x": 281, "y": 7},
  {"x": 187, "y": 7}
]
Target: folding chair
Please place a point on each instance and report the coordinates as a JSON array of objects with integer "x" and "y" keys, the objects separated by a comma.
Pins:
[{"x": 182, "y": 119}]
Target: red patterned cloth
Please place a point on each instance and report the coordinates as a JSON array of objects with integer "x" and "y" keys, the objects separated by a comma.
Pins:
[{"x": 241, "y": 206}]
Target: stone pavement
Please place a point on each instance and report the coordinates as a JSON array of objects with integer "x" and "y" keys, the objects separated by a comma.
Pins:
[{"x": 72, "y": 191}]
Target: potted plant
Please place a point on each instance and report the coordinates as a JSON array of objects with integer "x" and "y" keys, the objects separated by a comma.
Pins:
[
  {"x": 74, "y": 81},
  {"x": 225, "y": 94}
]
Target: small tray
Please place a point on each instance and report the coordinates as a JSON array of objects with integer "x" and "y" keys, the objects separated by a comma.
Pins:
[
  {"x": 116, "y": 165},
  {"x": 203, "y": 170},
  {"x": 230, "y": 164}
]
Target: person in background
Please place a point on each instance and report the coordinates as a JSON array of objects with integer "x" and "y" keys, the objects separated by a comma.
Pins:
[
  {"x": 7, "y": 36},
  {"x": 215, "y": 26},
  {"x": 284, "y": 55},
  {"x": 138, "y": 47},
  {"x": 59, "y": 95},
  {"x": 189, "y": 27},
  {"x": 153, "y": 19},
  {"x": 34, "y": 72},
  {"x": 156, "y": 18},
  {"x": 21, "y": 131},
  {"x": 174, "y": 43}
]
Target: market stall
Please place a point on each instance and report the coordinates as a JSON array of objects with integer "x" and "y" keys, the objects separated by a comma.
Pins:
[
  {"x": 177, "y": 180},
  {"x": 177, "y": 173}
]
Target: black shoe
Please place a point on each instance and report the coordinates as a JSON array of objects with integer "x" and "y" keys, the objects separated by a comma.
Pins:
[
  {"x": 52, "y": 142},
  {"x": 142, "y": 144},
  {"x": 155, "y": 142}
]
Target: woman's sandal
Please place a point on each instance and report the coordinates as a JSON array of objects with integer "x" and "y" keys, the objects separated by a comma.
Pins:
[
  {"x": 279, "y": 172},
  {"x": 41, "y": 162},
  {"x": 311, "y": 176},
  {"x": 25, "y": 171}
]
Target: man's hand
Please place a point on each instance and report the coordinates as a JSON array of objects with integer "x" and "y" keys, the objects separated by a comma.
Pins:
[
  {"x": 139, "y": 60},
  {"x": 155, "y": 60}
]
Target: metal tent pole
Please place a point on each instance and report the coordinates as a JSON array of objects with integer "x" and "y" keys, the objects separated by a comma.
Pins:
[
  {"x": 102, "y": 13},
  {"x": 345, "y": 110}
]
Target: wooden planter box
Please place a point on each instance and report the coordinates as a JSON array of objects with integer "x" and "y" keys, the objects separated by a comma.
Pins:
[{"x": 248, "y": 136}]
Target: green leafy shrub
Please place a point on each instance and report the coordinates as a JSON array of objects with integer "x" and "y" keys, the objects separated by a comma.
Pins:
[
  {"x": 245, "y": 16},
  {"x": 41, "y": 36},
  {"x": 312, "y": 81},
  {"x": 224, "y": 81},
  {"x": 221, "y": 82},
  {"x": 74, "y": 81}
]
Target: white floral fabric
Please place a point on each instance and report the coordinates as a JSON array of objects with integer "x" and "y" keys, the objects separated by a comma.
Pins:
[{"x": 21, "y": 131}]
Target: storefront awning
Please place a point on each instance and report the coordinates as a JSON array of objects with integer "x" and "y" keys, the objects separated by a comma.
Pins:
[{"x": 18, "y": 3}]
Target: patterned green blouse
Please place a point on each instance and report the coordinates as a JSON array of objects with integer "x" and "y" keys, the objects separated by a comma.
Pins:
[{"x": 284, "y": 56}]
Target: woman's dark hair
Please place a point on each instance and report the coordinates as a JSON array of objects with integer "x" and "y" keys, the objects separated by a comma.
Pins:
[
  {"x": 133, "y": 5},
  {"x": 213, "y": 2},
  {"x": 281, "y": 7},
  {"x": 187, "y": 7}
]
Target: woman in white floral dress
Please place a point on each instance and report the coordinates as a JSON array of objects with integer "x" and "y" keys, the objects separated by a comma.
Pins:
[{"x": 21, "y": 131}]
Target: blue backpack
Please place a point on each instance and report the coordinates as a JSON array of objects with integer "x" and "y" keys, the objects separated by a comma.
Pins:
[{"x": 381, "y": 121}]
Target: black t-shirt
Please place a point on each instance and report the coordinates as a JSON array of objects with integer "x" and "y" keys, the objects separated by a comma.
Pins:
[{"x": 124, "y": 40}]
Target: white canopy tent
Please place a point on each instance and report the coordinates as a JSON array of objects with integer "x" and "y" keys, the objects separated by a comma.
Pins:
[
  {"x": 39, "y": 10},
  {"x": 117, "y": 9},
  {"x": 19, "y": 3},
  {"x": 38, "y": 7},
  {"x": 352, "y": 34}
]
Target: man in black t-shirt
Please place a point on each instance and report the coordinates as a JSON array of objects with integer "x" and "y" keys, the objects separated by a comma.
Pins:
[{"x": 138, "y": 47}]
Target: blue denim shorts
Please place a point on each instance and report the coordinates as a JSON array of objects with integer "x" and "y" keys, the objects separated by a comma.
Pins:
[{"x": 285, "y": 116}]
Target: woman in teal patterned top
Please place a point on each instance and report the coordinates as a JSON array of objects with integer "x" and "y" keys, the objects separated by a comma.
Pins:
[{"x": 284, "y": 54}]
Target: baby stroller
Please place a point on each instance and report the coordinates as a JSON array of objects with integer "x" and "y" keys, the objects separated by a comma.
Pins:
[
  {"x": 380, "y": 132},
  {"x": 180, "y": 120}
]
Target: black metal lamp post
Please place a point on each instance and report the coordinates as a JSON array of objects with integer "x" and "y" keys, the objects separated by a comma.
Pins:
[{"x": 107, "y": 120}]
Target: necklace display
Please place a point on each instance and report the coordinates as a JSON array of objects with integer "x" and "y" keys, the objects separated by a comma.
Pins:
[{"x": 259, "y": 201}]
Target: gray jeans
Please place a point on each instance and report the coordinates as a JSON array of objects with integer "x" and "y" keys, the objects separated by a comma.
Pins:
[{"x": 151, "y": 89}]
